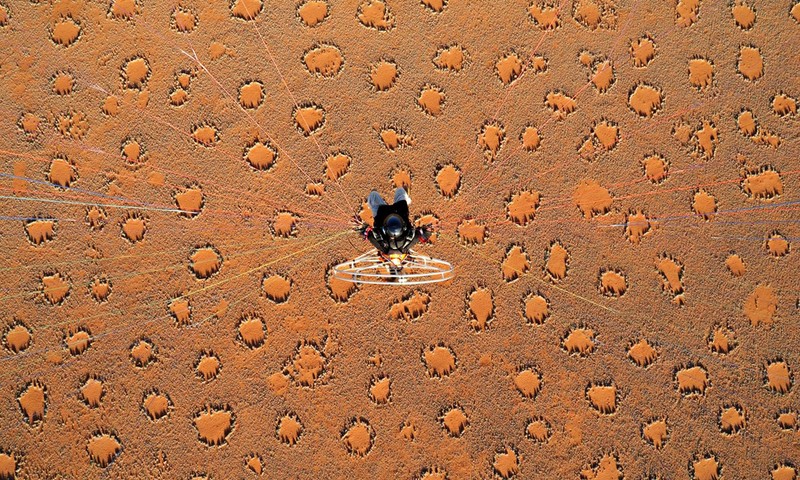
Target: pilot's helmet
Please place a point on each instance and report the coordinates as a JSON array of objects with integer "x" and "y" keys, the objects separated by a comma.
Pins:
[{"x": 394, "y": 226}]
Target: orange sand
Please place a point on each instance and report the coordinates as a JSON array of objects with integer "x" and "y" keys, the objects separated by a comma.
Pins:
[{"x": 613, "y": 181}]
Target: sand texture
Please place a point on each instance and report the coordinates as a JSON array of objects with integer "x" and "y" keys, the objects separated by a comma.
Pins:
[{"x": 614, "y": 181}]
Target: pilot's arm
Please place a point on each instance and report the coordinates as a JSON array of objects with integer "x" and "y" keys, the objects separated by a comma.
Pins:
[
  {"x": 375, "y": 241},
  {"x": 424, "y": 233},
  {"x": 420, "y": 235}
]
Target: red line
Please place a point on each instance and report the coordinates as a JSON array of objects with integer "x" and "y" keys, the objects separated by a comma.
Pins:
[{"x": 296, "y": 106}]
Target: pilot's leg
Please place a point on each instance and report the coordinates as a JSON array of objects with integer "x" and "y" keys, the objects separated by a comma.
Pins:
[
  {"x": 400, "y": 194},
  {"x": 375, "y": 200}
]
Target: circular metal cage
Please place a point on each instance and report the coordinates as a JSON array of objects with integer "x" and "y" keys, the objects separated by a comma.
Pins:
[{"x": 372, "y": 268}]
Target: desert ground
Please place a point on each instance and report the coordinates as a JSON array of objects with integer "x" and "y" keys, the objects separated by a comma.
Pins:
[{"x": 614, "y": 181}]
